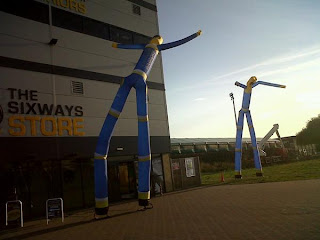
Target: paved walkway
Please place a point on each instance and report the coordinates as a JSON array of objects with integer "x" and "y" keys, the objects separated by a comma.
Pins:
[{"x": 285, "y": 210}]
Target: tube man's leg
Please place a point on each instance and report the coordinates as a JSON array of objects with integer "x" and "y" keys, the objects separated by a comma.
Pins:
[
  {"x": 256, "y": 156},
  {"x": 144, "y": 154},
  {"x": 238, "y": 149},
  {"x": 100, "y": 156}
]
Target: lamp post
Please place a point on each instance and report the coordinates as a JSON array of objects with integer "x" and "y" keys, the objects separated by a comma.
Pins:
[{"x": 234, "y": 108}]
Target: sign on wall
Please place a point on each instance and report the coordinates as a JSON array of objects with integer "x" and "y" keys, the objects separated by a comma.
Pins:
[
  {"x": 54, "y": 209},
  {"x": 78, "y": 6},
  {"x": 190, "y": 171},
  {"x": 175, "y": 166},
  {"x": 28, "y": 116}
]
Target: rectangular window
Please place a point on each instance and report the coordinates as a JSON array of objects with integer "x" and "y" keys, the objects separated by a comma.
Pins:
[
  {"x": 212, "y": 147},
  {"x": 140, "y": 39},
  {"x": 187, "y": 148},
  {"x": 67, "y": 20},
  {"x": 136, "y": 9},
  {"x": 145, "y": 4},
  {"x": 223, "y": 147},
  {"x": 95, "y": 28},
  {"x": 27, "y": 9},
  {"x": 120, "y": 35}
]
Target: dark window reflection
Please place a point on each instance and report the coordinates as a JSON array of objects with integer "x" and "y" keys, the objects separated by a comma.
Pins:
[
  {"x": 120, "y": 35},
  {"x": 157, "y": 175}
]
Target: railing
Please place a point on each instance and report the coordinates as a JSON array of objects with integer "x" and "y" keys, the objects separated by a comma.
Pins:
[{"x": 21, "y": 212}]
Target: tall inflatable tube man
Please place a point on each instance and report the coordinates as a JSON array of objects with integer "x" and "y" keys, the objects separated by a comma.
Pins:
[
  {"x": 245, "y": 110},
  {"x": 137, "y": 80}
]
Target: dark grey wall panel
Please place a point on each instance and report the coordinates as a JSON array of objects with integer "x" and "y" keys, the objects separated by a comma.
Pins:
[
  {"x": 43, "y": 148},
  {"x": 64, "y": 71}
]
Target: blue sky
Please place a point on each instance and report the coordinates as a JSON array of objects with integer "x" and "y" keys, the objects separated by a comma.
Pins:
[{"x": 275, "y": 40}]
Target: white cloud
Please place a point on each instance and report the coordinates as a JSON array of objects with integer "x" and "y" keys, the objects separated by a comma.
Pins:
[
  {"x": 292, "y": 68},
  {"x": 277, "y": 60},
  {"x": 199, "y": 99},
  {"x": 280, "y": 64}
]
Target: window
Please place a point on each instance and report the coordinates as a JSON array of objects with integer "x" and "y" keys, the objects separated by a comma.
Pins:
[
  {"x": 175, "y": 149},
  {"x": 223, "y": 147},
  {"x": 136, "y": 9},
  {"x": 140, "y": 39},
  {"x": 187, "y": 148},
  {"x": 27, "y": 9},
  {"x": 212, "y": 147},
  {"x": 199, "y": 148},
  {"x": 120, "y": 35},
  {"x": 232, "y": 146},
  {"x": 67, "y": 20},
  {"x": 95, "y": 28}
]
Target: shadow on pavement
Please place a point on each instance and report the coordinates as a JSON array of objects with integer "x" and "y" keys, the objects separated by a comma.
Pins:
[{"x": 70, "y": 225}]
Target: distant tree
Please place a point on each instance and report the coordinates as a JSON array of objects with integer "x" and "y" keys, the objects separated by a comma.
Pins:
[{"x": 311, "y": 133}]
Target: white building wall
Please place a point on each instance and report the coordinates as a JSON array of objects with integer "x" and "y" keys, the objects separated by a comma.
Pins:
[{"x": 27, "y": 40}]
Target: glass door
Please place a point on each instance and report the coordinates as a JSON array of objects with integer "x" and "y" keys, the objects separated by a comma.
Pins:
[{"x": 127, "y": 180}]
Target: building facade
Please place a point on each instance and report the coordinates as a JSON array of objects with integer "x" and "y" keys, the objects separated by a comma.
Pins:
[{"x": 59, "y": 76}]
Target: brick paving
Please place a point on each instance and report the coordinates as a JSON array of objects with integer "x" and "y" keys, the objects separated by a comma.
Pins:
[{"x": 284, "y": 210}]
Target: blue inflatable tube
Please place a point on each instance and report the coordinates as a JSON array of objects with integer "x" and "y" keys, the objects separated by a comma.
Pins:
[
  {"x": 252, "y": 82},
  {"x": 136, "y": 80}
]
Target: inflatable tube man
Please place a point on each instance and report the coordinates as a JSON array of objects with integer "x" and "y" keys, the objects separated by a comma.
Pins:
[
  {"x": 135, "y": 80},
  {"x": 245, "y": 110}
]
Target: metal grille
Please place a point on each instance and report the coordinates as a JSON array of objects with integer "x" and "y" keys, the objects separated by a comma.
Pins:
[
  {"x": 136, "y": 9},
  {"x": 77, "y": 87}
]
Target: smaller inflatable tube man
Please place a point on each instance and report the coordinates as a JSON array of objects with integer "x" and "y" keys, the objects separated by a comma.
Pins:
[
  {"x": 245, "y": 110},
  {"x": 136, "y": 80}
]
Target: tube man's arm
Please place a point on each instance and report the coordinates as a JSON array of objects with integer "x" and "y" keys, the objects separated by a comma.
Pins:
[
  {"x": 179, "y": 42},
  {"x": 128, "y": 46},
  {"x": 240, "y": 85},
  {"x": 268, "y": 84}
]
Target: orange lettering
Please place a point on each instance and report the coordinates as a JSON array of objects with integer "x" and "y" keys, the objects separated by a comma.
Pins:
[
  {"x": 33, "y": 124},
  {"x": 43, "y": 127},
  {"x": 62, "y": 127},
  {"x": 82, "y": 8},
  {"x": 18, "y": 125},
  {"x": 64, "y": 3},
  {"x": 76, "y": 126}
]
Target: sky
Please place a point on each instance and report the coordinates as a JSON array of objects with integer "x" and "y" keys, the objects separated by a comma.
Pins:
[{"x": 277, "y": 41}]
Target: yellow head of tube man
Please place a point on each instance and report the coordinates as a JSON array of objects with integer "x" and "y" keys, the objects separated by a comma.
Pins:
[
  {"x": 250, "y": 82},
  {"x": 157, "y": 39}
]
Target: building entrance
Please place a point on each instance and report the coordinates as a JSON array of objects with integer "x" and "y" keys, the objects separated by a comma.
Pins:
[{"x": 122, "y": 181}]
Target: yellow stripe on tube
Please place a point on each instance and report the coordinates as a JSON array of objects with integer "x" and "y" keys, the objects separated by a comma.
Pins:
[
  {"x": 102, "y": 204},
  {"x": 144, "y": 195},
  {"x": 143, "y": 118},
  {"x": 114, "y": 113},
  {"x": 141, "y": 73},
  {"x": 144, "y": 158}
]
